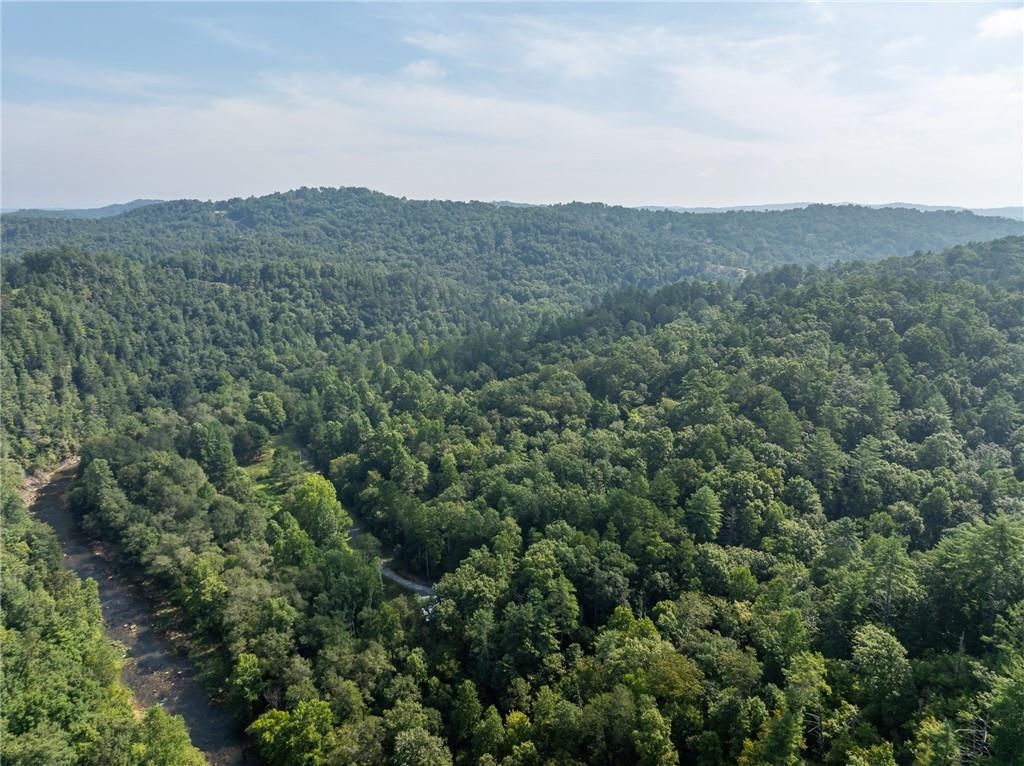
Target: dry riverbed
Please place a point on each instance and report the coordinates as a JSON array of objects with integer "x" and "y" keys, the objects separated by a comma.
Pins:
[{"x": 154, "y": 671}]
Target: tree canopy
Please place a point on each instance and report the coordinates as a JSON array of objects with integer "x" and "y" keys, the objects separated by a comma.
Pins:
[{"x": 772, "y": 518}]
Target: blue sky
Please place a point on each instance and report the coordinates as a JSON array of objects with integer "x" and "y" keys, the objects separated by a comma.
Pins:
[{"x": 675, "y": 104}]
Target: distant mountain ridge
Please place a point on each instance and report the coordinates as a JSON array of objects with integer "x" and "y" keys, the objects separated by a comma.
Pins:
[
  {"x": 1014, "y": 213},
  {"x": 107, "y": 211},
  {"x": 575, "y": 249}
]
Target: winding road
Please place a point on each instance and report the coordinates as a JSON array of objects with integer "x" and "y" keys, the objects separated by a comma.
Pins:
[
  {"x": 420, "y": 589},
  {"x": 152, "y": 669}
]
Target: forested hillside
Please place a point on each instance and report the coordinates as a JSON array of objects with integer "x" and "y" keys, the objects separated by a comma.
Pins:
[
  {"x": 125, "y": 309},
  {"x": 551, "y": 257},
  {"x": 770, "y": 521}
]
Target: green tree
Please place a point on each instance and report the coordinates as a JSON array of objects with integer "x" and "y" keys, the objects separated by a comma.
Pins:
[
  {"x": 314, "y": 505},
  {"x": 301, "y": 737},
  {"x": 164, "y": 741},
  {"x": 936, "y": 744},
  {"x": 704, "y": 514},
  {"x": 245, "y": 684},
  {"x": 418, "y": 747},
  {"x": 249, "y": 441},
  {"x": 267, "y": 409},
  {"x": 1007, "y": 744},
  {"x": 653, "y": 737},
  {"x": 210, "y": 445},
  {"x": 882, "y": 673},
  {"x": 466, "y": 711},
  {"x": 781, "y": 740},
  {"x": 876, "y": 755},
  {"x": 285, "y": 465}
]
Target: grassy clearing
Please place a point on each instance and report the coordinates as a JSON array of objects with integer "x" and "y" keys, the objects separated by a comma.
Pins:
[{"x": 261, "y": 471}]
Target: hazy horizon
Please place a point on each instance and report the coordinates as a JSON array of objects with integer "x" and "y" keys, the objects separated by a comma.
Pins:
[
  {"x": 693, "y": 105},
  {"x": 502, "y": 201},
  {"x": 652, "y": 206}
]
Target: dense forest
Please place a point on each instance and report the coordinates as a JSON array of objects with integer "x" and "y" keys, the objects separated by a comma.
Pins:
[
  {"x": 104, "y": 315},
  {"x": 349, "y": 223},
  {"x": 764, "y": 518}
]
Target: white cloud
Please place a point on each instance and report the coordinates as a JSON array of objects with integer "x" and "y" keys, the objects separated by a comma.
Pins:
[
  {"x": 823, "y": 11},
  {"x": 958, "y": 139},
  {"x": 230, "y": 36},
  {"x": 780, "y": 106},
  {"x": 424, "y": 69},
  {"x": 666, "y": 116},
  {"x": 445, "y": 43},
  {"x": 563, "y": 52},
  {"x": 1008, "y": 22},
  {"x": 416, "y": 139},
  {"x": 902, "y": 45},
  {"x": 94, "y": 79}
]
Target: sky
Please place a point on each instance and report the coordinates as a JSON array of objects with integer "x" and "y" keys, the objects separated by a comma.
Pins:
[{"x": 668, "y": 104}]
